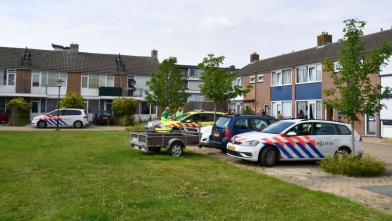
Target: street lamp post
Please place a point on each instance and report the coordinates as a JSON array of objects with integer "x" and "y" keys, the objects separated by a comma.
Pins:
[{"x": 59, "y": 83}]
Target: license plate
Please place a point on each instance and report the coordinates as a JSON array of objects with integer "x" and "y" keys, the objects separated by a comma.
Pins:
[
  {"x": 216, "y": 134},
  {"x": 232, "y": 148},
  {"x": 105, "y": 118}
]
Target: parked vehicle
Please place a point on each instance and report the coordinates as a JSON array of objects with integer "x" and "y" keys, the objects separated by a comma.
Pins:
[
  {"x": 153, "y": 141},
  {"x": 103, "y": 117},
  {"x": 297, "y": 139},
  {"x": 189, "y": 121},
  {"x": 205, "y": 133},
  {"x": 4, "y": 116},
  {"x": 68, "y": 117},
  {"x": 228, "y": 126},
  {"x": 150, "y": 125}
]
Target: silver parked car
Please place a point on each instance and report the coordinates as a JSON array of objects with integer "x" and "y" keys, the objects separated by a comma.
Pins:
[{"x": 150, "y": 125}]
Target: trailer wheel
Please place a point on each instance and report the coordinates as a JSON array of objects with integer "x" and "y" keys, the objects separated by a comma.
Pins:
[{"x": 175, "y": 149}]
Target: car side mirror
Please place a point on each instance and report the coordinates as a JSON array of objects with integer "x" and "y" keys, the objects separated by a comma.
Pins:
[{"x": 291, "y": 133}]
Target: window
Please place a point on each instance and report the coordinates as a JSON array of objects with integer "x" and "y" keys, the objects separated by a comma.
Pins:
[
  {"x": 336, "y": 66},
  {"x": 93, "y": 80},
  {"x": 239, "y": 82},
  {"x": 36, "y": 78},
  {"x": 51, "y": 78},
  {"x": 84, "y": 80},
  {"x": 252, "y": 79},
  {"x": 281, "y": 77},
  {"x": 286, "y": 75},
  {"x": 106, "y": 80},
  {"x": 194, "y": 85},
  {"x": 3, "y": 77},
  {"x": 260, "y": 78},
  {"x": 307, "y": 74},
  {"x": 193, "y": 72}
]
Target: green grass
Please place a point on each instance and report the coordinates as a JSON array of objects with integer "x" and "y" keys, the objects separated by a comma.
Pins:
[{"x": 94, "y": 175}]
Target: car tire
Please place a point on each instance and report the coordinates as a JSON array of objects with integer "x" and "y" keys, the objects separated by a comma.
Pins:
[
  {"x": 78, "y": 124},
  {"x": 343, "y": 150},
  {"x": 175, "y": 149},
  {"x": 223, "y": 149},
  {"x": 41, "y": 124},
  {"x": 268, "y": 156}
]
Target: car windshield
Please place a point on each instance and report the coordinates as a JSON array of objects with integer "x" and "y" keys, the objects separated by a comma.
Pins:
[
  {"x": 277, "y": 127},
  {"x": 182, "y": 116}
]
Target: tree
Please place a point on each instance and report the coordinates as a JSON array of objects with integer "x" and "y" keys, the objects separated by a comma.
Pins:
[
  {"x": 72, "y": 100},
  {"x": 354, "y": 94},
  {"x": 218, "y": 83},
  {"x": 168, "y": 87}
]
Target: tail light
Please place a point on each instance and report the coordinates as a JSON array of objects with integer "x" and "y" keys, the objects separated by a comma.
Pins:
[
  {"x": 228, "y": 133},
  {"x": 85, "y": 116},
  {"x": 360, "y": 139}
]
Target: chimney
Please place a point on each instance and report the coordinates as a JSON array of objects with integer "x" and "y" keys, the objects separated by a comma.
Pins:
[
  {"x": 324, "y": 39},
  {"x": 254, "y": 57},
  {"x": 74, "y": 48},
  {"x": 232, "y": 67},
  {"x": 154, "y": 54}
]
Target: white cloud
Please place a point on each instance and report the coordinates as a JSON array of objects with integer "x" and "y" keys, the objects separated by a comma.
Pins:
[{"x": 212, "y": 22}]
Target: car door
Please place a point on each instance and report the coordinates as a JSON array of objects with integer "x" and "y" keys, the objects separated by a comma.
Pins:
[
  {"x": 300, "y": 146},
  {"x": 327, "y": 138}
]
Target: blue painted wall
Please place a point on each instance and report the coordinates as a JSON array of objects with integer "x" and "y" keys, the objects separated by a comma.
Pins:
[
  {"x": 308, "y": 91},
  {"x": 281, "y": 93}
]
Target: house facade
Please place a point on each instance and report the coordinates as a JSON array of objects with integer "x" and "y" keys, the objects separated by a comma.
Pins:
[
  {"x": 34, "y": 75},
  {"x": 294, "y": 82}
]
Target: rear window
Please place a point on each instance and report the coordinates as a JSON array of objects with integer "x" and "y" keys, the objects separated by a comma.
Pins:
[{"x": 222, "y": 122}]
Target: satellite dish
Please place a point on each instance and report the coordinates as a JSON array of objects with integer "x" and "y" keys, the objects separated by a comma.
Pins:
[{"x": 132, "y": 82}]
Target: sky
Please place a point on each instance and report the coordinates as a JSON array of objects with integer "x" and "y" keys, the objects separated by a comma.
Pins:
[{"x": 186, "y": 29}]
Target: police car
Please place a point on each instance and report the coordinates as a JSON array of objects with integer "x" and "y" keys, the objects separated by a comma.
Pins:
[
  {"x": 68, "y": 117},
  {"x": 296, "y": 139}
]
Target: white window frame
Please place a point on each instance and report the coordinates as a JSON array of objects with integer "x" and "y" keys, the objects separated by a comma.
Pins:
[
  {"x": 277, "y": 77},
  {"x": 86, "y": 76},
  {"x": 310, "y": 76},
  {"x": 104, "y": 80},
  {"x": 260, "y": 78},
  {"x": 252, "y": 79},
  {"x": 336, "y": 66},
  {"x": 239, "y": 82}
]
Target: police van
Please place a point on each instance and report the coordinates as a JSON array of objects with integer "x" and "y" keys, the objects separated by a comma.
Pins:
[
  {"x": 296, "y": 139},
  {"x": 67, "y": 117}
]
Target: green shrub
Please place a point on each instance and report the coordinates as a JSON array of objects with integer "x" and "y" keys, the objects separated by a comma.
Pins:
[
  {"x": 353, "y": 165},
  {"x": 247, "y": 110},
  {"x": 20, "y": 112}
]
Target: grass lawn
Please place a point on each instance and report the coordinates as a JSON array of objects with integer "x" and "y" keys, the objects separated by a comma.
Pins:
[{"x": 94, "y": 175}]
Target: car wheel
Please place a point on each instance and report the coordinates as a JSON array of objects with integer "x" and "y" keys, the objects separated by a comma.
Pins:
[
  {"x": 344, "y": 150},
  {"x": 268, "y": 156},
  {"x": 175, "y": 149},
  {"x": 41, "y": 124},
  {"x": 223, "y": 149},
  {"x": 78, "y": 124}
]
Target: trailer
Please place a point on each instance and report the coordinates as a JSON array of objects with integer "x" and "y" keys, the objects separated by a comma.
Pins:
[{"x": 174, "y": 142}]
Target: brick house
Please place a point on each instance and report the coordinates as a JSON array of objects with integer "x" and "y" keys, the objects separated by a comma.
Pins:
[
  {"x": 295, "y": 81},
  {"x": 99, "y": 78}
]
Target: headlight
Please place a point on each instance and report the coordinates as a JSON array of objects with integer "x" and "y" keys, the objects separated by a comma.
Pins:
[{"x": 250, "y": 143}]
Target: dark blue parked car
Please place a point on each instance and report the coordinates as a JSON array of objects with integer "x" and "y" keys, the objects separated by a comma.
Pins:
[{"x": 229, "y": 125}]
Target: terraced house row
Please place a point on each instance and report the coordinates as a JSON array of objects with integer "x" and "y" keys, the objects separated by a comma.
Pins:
[
  {"x": 294, "y": 82},
  {"x": 287, "y": 83}
]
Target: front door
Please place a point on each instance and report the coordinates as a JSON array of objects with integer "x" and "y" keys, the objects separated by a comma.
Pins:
[{"x": 370, "y": 125}]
